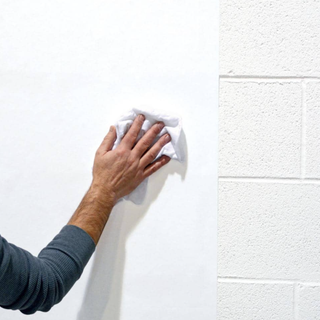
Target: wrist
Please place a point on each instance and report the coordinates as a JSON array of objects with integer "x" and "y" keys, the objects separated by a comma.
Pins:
[
  {"x": 93, "y": 211},
  {"x": 102, "y": 194}
]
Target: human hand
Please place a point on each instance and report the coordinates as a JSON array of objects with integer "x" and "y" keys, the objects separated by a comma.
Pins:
[{"x": 118, "y": 172}]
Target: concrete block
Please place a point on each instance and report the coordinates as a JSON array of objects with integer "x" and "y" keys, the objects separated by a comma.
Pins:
[
  {"x": 269, "y": 230},
  {"x": 260, "y": 129},
  {"x": 309, "y": 302},
  {"x": 271, "y": 38},
  {"x": 251, "y": 301},
  {"x": 312, "y": 139}
]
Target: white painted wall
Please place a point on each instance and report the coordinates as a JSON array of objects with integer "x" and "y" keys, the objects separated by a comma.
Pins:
[
  {"x": 67, "y": 72},
  {"x": 269, "y": 146}
]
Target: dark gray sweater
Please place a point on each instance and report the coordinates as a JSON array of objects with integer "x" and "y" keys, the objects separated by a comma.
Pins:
[{"x": 29, "y": 283}]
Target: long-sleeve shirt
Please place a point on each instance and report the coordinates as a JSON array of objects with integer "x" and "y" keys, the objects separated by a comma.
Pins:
[{"x": 30, "y": 283}]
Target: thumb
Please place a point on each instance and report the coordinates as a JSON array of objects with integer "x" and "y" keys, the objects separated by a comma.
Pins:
[{"x": 109, "y": 139}]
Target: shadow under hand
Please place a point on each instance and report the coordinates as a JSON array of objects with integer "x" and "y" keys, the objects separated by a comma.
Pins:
[{"x": 104, "y": 290}]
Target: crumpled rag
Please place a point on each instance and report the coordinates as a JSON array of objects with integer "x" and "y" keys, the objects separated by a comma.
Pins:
[{"x": 173, "y": 149}]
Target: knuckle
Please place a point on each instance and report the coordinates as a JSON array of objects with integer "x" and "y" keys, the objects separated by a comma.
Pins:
[
  {"x": 152, "y": 170},
  {"x": 131, "y": 161},
  {"x": 134, "y": 133},
  {"x": 145, "y": 143},
  {"x": 155, "y": 129},
  {"x": 108, "y": 136},
  {"x": 152, "y": 155},
  {"x": 120, "y": 152},
  {"x": 132, "y": 137},
  {"x": 165, "y": 139}
]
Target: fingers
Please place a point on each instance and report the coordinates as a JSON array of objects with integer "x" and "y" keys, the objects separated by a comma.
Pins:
[
  {"x": 131, "y": 136},
  {"x": 145, "y": 142},
  {"x": 151, "y": 154},
  {"x": 109, "y": 139},
  {"x": 155, "y": 166}
]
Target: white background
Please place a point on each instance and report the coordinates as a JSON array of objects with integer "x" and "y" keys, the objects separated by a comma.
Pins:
[{"x": 68, "y": 70}]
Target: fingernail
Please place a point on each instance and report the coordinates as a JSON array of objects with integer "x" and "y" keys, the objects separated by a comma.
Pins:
[
  {"x": 160, "y": 125},
  {"x": 167, "y": 137},
  {"x": 142, "y": 117}
]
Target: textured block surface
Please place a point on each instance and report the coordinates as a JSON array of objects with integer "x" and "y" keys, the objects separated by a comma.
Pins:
[
  {"x": 248, "y": 301},
  {"x": 259, "y": 129},
  {"x": 309, "y": 302},
  {"x": 274, "y": 38},
  {"x": 269, "y": 230},
  {"x": 313, "y": 129}
]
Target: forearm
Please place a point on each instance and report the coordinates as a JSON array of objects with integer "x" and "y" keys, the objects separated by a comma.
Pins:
[
  {"x": 93, "y": 212},
  {"x": 30, "y": 283}
]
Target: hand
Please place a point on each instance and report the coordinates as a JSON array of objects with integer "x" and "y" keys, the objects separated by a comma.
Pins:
[{"x": 118, "y": 172}]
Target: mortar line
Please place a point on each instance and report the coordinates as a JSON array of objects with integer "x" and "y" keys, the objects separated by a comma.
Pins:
[
  {"x": 296, "y": 301},
  {"x": 254, "y": 281},
  {"x": 270, "y": 180},
  {"x": 257, "y": 77},
  {"x": 303, "y": 130},
  {"x": 260, "y": 80},
  {"x": 267, "y": 281}
]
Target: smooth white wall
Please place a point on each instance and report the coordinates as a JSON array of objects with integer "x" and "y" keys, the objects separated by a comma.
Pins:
[
  {"x": 269, "y": 116},
  {"x": 67, "y": 72}
]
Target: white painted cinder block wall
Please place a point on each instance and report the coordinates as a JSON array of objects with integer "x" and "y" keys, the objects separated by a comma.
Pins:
[{"x": 269, "y": 160}]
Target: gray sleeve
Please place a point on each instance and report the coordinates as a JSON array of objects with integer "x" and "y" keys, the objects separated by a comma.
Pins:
[{"x": 29, "y": 283}]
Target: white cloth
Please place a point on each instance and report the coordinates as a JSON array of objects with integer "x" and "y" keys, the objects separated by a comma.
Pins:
[{"x": 173, "y": 149}]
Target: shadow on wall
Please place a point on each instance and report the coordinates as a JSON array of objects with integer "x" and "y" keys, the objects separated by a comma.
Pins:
[{"x": 103, "y": 294}]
